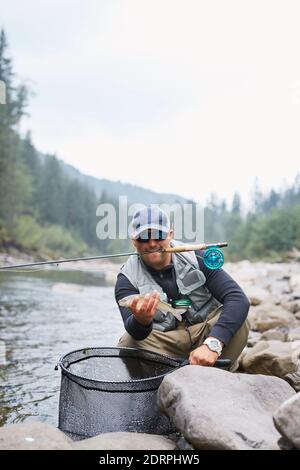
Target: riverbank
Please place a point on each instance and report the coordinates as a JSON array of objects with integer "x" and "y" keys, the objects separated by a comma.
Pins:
[{"x": 43, "y": 320}]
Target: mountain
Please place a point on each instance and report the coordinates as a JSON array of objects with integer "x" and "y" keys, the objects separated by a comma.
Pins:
[{"x": 135, "y": 194}]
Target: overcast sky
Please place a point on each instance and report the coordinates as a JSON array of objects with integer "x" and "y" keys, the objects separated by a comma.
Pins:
[{"x": 190, "y": 97}]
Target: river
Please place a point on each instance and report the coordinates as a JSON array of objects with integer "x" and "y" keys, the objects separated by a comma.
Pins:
[{"x": 42, "y": 317}]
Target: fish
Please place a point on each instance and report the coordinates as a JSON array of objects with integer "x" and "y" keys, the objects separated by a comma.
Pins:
[{"x": 162, "y": 306}]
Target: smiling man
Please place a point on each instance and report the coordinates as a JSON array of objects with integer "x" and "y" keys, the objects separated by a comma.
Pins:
[{"x": 214, "y": 324}]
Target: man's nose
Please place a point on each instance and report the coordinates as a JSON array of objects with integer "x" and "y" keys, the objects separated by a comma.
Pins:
[{"x": 152, "y": 243}]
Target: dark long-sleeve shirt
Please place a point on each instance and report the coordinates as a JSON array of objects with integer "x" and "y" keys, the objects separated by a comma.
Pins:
[{"x": 219, "y": 283}]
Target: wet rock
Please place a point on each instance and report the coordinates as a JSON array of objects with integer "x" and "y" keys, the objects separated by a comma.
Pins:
[
  {"x": 287, "y": 420},
  {"x": 272, "y": 358},
  {"x": 33, "y": 435},
  {"x": 215, "y": 409},
  {"x": 267, "y": 316},
  {"x": 126, "y": 441}
]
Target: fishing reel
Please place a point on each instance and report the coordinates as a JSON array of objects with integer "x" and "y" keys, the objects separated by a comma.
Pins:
[{"x": 213, "y": 258}]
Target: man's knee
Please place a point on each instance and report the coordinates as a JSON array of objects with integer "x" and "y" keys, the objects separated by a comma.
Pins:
[
  {"x": 127, "y": 341},
  {"x": 236, "y": 345}
]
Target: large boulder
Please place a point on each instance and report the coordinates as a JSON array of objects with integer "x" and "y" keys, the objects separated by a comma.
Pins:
[
  {"x": 287, "y": 420},
  {"x": 33, "y": 435},
  {"x": 267, "y": 316},
  {"x": 271, "y": 358},
  {"x": 215, "y": 409},
  {"x": 126, "y": 441}
]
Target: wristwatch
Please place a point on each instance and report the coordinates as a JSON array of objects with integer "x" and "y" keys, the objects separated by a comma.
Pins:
[{"x": 214, "y": 345}]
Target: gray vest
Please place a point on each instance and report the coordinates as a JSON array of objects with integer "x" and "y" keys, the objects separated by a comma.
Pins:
[{"x": 190, "y": 281}]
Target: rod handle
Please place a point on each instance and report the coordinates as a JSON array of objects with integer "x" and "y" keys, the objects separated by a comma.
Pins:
[{"x": 202, "y": 246}]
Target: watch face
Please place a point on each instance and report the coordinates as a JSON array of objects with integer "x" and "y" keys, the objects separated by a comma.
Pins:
[{"x": 213, "y": 345}]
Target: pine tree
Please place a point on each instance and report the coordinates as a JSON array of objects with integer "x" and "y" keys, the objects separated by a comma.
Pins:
[{"x": 15, "y": 182}]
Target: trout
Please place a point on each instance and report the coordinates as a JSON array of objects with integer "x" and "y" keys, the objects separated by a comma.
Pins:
[{"x": 162, "y": 306}]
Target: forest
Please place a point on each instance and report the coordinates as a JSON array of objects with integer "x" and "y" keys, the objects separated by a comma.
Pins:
[{"x": 47, "y": 213}]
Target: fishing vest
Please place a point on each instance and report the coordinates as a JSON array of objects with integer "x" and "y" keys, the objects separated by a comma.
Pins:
[{"x": 190, "y": 281}]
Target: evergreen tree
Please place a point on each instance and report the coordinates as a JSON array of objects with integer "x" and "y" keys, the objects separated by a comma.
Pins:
[
  {"x": 52, "y": 193},
  {"x": 236, "y": 204},
  {"x": 15, "y": 182}
]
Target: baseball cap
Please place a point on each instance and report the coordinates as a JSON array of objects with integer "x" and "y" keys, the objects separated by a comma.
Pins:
[{"x": 149, "y": 218}]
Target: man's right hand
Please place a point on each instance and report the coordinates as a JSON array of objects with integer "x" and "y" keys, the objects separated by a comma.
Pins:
[{"x": 144, "y": 310}]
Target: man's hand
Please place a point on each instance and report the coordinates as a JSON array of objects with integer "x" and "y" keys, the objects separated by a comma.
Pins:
[
  {"x": 203, "y": 356},
  {"x": 144, "y": 310}
]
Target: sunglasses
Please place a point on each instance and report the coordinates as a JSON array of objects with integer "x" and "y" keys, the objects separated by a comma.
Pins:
[{"x": 157, "y": 236}]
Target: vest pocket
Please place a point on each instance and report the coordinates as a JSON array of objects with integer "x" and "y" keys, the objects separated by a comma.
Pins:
[{"x": 191, "y": 281}]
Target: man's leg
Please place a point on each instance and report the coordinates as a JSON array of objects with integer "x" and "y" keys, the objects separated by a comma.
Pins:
[
  {"x": 175, "y": 343},
  {"x": 235, "y": 346}
]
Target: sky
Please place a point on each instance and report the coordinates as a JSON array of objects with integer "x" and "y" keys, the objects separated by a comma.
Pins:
[{"x": 189, "y": 97}]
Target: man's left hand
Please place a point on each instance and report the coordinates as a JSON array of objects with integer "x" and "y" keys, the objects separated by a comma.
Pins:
[{"x": 203, "y": 356}]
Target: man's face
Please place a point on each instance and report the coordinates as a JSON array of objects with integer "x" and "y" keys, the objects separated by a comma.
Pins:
[{"x": 150, "y": 242}]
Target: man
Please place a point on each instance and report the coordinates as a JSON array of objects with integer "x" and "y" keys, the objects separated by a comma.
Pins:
[{"x": 215, "y": 323}]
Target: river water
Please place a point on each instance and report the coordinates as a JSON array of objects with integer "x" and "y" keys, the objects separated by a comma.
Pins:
[{"x": 42, "y": 317}]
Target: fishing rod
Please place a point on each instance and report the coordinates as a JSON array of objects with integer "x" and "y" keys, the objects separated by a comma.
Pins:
[{"x": 213, "y": 257}]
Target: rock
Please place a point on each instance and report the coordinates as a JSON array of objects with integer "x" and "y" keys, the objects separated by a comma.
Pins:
[
  {"x": 33, "y": 435},
  {"x": 292, "y": 306},
  {"x": 240, "y": 358},
  {"x": 126, "y": 441},
  {"x": 293, "y": 334},
  {"x": 274, "y": 334},
  {"x": 183, "y": 444},
  {"x": 215, "y": 409},
  {"x": 253, "y": 338},
  {"x": 287, "y": 420},
  {"x": 278, "y": 287},
  {"x": 293, "y": 378},
  {"x": 284, "y": 444},
  {"x": 272, "y": 358},
  {"x": 295, "y": 282},
  {"x": 256, "y": 295},
  {"x": 268, "y": 316}
]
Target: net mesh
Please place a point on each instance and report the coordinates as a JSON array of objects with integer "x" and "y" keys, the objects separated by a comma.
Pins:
[{"x": 111, "y": 390}]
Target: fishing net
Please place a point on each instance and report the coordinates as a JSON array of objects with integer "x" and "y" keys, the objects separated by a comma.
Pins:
[{"x": 111, "y": 390}]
